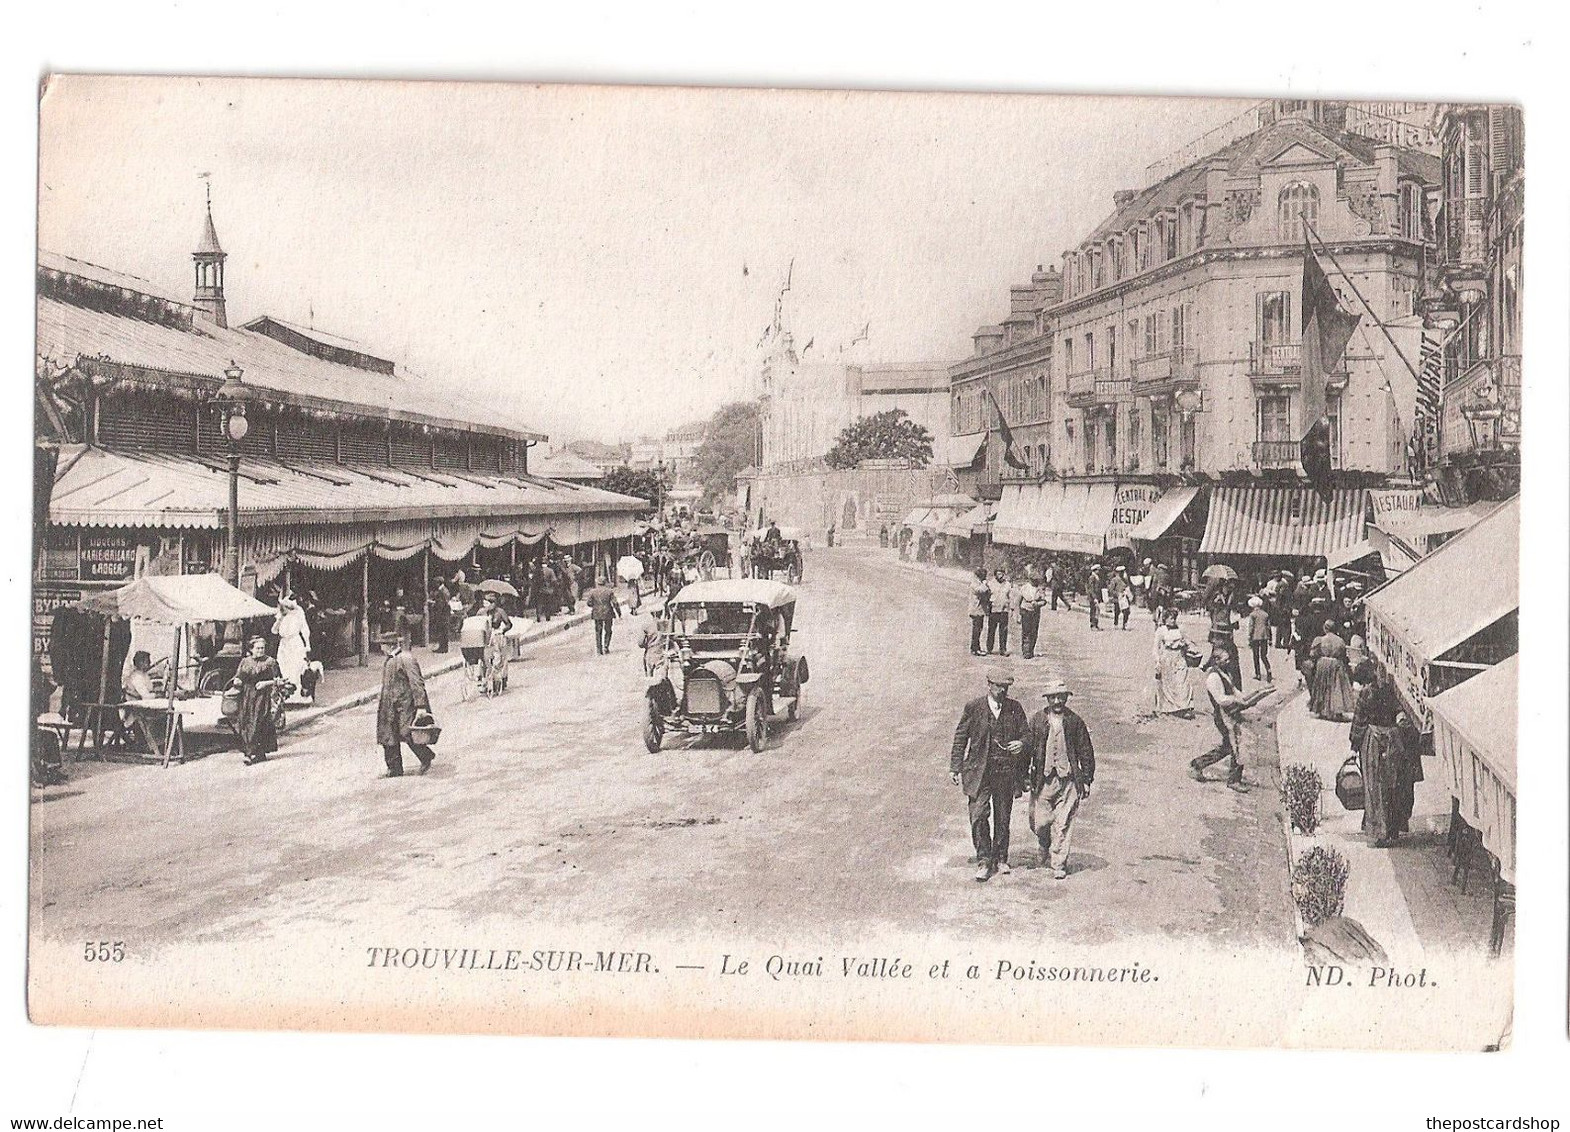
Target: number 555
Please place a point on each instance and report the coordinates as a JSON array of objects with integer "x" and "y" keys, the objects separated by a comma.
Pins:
[{"x": 103, "y": 951}]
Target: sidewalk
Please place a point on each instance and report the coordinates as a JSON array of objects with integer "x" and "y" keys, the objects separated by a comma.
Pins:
[
  {"x": 345, "y": 688},
  {"x": 1402, "y": 896}
]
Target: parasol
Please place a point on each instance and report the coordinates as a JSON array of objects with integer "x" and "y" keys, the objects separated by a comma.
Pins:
[
  {"x": 1218, "y": 571},
  {"x": 496, "y": 586}
]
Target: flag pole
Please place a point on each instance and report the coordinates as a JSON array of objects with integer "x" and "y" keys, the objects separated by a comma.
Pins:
[
  {"x": 1394, "y": 345},
  {"x": 1377, "y": 322}
]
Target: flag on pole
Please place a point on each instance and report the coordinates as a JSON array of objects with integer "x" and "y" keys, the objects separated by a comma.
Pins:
[
  {"x": 1327, "y": 327},
  {"x": 1009, "y": 458}
]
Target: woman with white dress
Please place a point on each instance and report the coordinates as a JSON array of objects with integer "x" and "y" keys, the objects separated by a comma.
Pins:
[
  {"x": 1174, "y": 695},
  {"x": 294, "y": 640}
]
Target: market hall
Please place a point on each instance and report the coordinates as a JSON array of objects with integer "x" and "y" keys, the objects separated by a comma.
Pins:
[{"x": 357, "y": 483}]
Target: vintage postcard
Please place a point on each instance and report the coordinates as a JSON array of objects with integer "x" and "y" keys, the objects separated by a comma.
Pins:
[{"x": 775, "y": 564}]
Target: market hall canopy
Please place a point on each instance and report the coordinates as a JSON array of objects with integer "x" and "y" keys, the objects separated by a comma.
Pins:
[
  {"x": 178, "y": 599},
  {"x": 1456, "y": 592},
  {"x": 1283, "y": 522},
  {"x": 1475, "y": 738}
]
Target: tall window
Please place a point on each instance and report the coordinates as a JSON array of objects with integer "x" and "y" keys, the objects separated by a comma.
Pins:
[
  {"x": 1275, "y": 418},
  {"x": 1068, "y": 435},
  {"x": 1131, "y": 338},
  {"x": 1411, "y": 209},
  {"x": 1112, "y": 442},
  {"x": 1170, "y": 238},
  {"x": 1135, "y": 437},
  {"x": 1090, "y": 351},
  {"x": 1158, "y": 435},
  {"x": 1095, "y": 268},
  {"x": 1068, "y": 356},
  {"x": 1275, "y": 318},
  {"x": 1150, "y": 335},
  {"x": 1297, "y": 203},
  {"x": 1179, "y": 328},
  {"x": 1333, "y": 412}
]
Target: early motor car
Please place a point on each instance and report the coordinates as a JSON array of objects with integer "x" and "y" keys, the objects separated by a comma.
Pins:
[{"x": 726, "y": 660}]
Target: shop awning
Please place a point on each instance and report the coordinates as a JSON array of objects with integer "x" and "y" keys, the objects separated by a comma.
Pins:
[
  {"x": 1392, "y": 556},
  {"x": 1283, "y": 522},
  {"x": 1163, "y": 513},
  {"x": 972, "y": 522},
  {"x": 961, "y": 451},
  {"x": 1056, "y": 516},
  {"x": 1456, "y": 592},
  {"x": 918, "y": 517},
  {"x": 1418, "y": 527},
  {"x": 1475, "y": 739},
  {"x": 1482, "y": 713}
]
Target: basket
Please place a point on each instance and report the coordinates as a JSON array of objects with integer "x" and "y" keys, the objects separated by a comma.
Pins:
[
  {"x": 1349, "y": 784},
  {"x": 230, "y": 704},
  {"x": 423, "y": 731}
]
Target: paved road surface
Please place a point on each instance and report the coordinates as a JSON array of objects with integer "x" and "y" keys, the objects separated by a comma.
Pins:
[{"x": 544, "y": 805}]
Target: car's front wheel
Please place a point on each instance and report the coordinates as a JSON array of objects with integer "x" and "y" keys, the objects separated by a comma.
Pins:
[{"x": 757, "y": 720}]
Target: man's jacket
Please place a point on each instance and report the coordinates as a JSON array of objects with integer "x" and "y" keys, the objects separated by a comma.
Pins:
[
  {"x": 981, "y": 741},
  {"x": 1076, "y": 741}
]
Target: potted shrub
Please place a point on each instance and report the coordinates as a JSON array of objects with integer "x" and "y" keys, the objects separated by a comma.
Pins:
[
  {"x": 1319, "y": 884},
  {"x": 1300, "y": 790}
]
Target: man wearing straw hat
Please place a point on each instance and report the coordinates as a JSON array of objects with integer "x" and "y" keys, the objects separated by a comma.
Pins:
[
  {"x": 986, "y": 760},
  {"x": 1062, "y": 767},
  {"x": 403, "y": 696}
]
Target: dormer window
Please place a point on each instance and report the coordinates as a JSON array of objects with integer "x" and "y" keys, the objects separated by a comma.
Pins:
[{"x": 1297, "y": 209}]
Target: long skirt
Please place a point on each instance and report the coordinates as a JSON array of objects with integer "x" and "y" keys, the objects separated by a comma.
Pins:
[
  {"x": 1329, "y": 689},
  {"x": 1174, "y": 693},
  {"x": 1383, "y": 805}
]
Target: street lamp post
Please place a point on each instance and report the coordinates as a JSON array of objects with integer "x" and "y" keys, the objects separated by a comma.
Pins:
[{"x": 229, "y": 403}]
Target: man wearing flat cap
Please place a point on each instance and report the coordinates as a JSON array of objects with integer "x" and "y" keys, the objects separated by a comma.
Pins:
[
  {"x": 1062, "y": 767},
  {"x": 986, "y": 761}
]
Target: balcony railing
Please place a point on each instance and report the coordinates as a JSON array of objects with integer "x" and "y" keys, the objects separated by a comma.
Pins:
[
  {"x": 1083, "y": 384},
  {"x": 1275, "y": 453},
  {"x": 1176, "y": 365},
  {"x": 1284, "y": 358}
]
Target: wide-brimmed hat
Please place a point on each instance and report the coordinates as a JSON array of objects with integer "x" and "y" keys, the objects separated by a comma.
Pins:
[
  {"x": 1256, "y": 601},
  {"x": 1055, "y": 688},
  {"x": 999, "y": 677}
]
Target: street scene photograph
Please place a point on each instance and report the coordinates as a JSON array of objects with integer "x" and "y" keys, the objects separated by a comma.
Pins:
[{"x": 549, "y": 559}]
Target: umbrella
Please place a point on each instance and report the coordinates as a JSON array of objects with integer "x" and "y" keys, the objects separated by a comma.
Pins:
[
  {"x": 496, "y": 586},
  {"x": 1218, "y": 571}
]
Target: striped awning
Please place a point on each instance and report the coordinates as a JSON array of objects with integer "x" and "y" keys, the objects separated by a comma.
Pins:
[
  {"x": 1166, "y": 511},
  {"x": 1056, "y": 516},
  {"x": 1283, "y": 522}
]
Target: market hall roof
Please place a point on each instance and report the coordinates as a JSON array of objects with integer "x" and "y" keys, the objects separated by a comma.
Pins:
[
  {"x": 98, "y": 488},
  {"x": 118, "y": 322}
]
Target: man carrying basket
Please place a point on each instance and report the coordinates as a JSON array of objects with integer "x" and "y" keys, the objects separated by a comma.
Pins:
[{"x": 403, "y": 713}]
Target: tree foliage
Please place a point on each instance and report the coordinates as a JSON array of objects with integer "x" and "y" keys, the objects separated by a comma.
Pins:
[
  {"x": 645, "y": 483},
  {"x": 889, "y": 435},
  {"x": 729, "y": 444}
]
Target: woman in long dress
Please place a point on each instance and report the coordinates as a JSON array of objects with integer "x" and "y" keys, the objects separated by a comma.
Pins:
[
  {"x": 1329, "y": 687},
  {"x": 256, "y": 725},
  {"x": 1174, "y": 694},
  {"x": 1379, "y": 748},
  {"x": 294, "y": 640}
]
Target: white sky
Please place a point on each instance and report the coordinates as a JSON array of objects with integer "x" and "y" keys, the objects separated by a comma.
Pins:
[{"x": 576, "y": 253}]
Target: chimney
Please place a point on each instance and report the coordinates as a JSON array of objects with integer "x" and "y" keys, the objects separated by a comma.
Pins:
[
  {"x": 1122, "y": 196},
  {"x": 208, "y": 259}
]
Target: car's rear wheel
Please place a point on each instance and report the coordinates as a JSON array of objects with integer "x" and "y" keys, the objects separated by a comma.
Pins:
[
  {"x": 757, "y": 720},
  {"x": 653, "y": 728}
]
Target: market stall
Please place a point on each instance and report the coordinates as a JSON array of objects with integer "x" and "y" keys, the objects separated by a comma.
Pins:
[
  {"x": 1453, "y": 614},
  {"x": 174, "y": 602},
  {"x": 1475, "y": 737}
]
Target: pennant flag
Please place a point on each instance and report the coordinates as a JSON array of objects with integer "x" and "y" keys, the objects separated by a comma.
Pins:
[
  {"x": 1327, "y": 327},
  {"x": 1009, "y": 458}
]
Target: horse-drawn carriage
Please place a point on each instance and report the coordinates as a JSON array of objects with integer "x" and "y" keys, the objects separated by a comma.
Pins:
[{"x": 770, "y": 558}]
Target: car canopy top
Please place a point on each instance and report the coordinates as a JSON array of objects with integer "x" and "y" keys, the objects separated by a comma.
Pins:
[{"x": 773, "y": 595}]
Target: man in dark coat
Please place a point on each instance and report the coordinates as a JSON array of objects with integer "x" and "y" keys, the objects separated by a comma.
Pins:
[
  {"x": 1062, "y": 767},
  {"x": 403, "y": 696},
  {"x": 986, "y": 761},
  {"x": 441, "y": 615}
]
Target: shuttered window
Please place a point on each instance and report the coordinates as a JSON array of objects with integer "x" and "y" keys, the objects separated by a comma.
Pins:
[
  {"x": 364, "y": 446},
  {"x": 411, "y": 449},
  {"x": 452, "y": 452},
  {"x": 165, "y": 425},
  {"x": 306, "y": 439}
]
